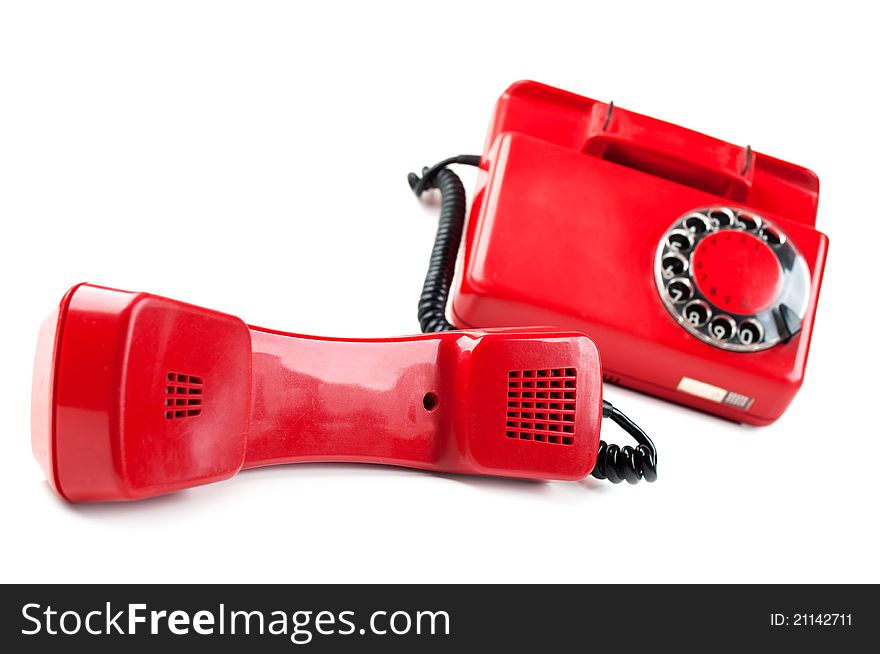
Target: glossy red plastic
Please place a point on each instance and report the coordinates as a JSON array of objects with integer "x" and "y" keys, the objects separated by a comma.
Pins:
[
  {"x": 574, "y": 196},
  {"x": 745, "y": 268},
  {"x": 137, "y": 395}
]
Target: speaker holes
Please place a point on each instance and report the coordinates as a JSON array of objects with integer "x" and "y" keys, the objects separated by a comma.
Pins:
[
  {"x": 183, "y": 395},
  {"x": 541, "y": 416}
]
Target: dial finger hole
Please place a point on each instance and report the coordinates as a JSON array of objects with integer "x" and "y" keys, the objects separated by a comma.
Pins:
[
  {"x": 697, "y": 313},
  {"x": 771, "y": 236},
  {"x": 680, "y": 239},
  {"x": 748, "y": 221},
  {"x": 722, "y": 328},
  {"x": 680, "y": 290},
  {"x": 673, "y": 264},
  {"x": 696, "y": 223},
  {"x": 722, "y": 217},
  {"x": 750, "y": 332}
]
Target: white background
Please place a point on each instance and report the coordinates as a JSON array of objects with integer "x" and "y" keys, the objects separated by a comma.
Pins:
[{"x": 251, "y": 157}]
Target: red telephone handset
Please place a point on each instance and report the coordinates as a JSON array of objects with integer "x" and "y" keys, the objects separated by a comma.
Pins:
[{"x": 137, "y": 395}]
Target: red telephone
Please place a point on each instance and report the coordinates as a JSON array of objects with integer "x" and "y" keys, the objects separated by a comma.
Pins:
[
  {"x": 694, "y": 264},
  {"x": 137, "y": 395}
]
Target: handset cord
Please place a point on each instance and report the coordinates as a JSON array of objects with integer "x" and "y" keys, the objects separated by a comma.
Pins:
[{"x": 613, "y": 462}]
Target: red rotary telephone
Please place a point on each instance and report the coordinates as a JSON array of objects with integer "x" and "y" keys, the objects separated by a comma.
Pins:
[{"x": 694, "y": 264}]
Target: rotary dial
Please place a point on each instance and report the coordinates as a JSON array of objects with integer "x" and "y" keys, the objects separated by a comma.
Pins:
[{"x": 732, "y": 278}]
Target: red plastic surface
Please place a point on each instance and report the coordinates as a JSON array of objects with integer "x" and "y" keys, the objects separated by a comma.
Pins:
[
  {"x": 570, "y": 205},
  {"x": 738, "y": 272},
  {"x": 137, "y": 395}
]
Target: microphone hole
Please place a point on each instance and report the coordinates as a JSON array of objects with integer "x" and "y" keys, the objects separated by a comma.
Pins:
[{"x": 430, "y": 401}]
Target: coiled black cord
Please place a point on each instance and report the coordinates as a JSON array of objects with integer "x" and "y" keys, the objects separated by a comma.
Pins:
[
  {"x": 441, "y": 268},
  {"x": 616, "y": 464},
  {"x": 613, "y": 462}
]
